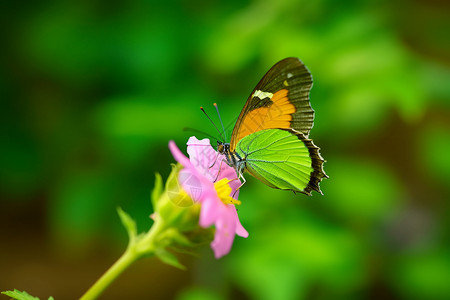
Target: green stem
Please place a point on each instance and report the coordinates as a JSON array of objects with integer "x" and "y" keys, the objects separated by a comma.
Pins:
[
  {"x": 138, "y": 247},
  {"x": 114, "y": 271}
]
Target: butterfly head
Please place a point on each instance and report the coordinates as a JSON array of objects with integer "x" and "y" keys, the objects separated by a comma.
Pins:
[
  {"x": 222, "y": 147},
  {"x": 232, "y": 158}
]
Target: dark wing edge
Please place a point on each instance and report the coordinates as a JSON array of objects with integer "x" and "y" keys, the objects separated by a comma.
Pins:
[{"x": 317, "y": 160}]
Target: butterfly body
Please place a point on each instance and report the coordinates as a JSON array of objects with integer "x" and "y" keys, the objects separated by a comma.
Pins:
[
  {"x": 233, "y": 159},
  {"x": 270, "y": 139}
]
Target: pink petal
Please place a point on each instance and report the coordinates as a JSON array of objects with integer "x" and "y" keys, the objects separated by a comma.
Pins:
[
  {"x": 206, "y": 186},
  {"x": 240, "y": 230},
  {"x": 210, "y": 211},
  {"x": 225, "y": 231},
  {"x": 191, "y": 184},
  {"x": 178, "y": 155},
  {"x": 204, "y": 157}
]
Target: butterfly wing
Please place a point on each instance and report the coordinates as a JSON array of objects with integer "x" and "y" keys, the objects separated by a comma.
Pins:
[
  {"x": 279, "y": 100},
  {"x": 283, "y": 159}
]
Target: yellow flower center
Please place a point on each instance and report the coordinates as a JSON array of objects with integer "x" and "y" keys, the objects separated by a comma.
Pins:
[{"x": 224, "y": 190}]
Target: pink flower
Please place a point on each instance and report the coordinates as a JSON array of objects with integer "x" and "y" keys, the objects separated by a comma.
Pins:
[{"x": 211, "y": 182}]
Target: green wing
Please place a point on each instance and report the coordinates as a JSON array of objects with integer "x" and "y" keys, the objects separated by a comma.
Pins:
[{"x": 283, "y": 159}]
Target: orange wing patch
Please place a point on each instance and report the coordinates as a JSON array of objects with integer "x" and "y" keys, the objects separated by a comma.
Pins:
[{"x": 277, "y": 115}]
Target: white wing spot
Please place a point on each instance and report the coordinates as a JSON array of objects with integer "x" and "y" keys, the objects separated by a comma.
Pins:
[
  {"x": 261, "y": 95},
  {"x": 289, "y": 75}
]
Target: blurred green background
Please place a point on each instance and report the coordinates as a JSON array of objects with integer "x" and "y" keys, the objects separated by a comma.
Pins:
[{"x": 92, "y": 91}]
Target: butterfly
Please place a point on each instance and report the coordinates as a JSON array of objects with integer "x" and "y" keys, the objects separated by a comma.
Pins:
[{"x": 270, "y": 139}]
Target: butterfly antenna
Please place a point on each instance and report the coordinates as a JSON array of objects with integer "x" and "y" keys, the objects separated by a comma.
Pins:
[
  {"x": 199, "y": 131},
  {"x": 217, "y": 109},
  {"x": 212, "y": 122}
]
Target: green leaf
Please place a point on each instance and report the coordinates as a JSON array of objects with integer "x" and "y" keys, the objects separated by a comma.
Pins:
[
  {"x": 169, "y": 258},
  {"x": 178, "y": 238},
  {"x": 157, "y": 190},
  {"x": 16, "y": 294},
  {"x": 185, "y": 251},
  {"x": 128, "y": 223}
]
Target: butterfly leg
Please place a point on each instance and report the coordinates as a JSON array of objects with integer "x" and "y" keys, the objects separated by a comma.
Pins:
[
  {"x": 215, "y": 160},
  {"x": 220, "y": 168},
  {"x": 243, "y": 182}
]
